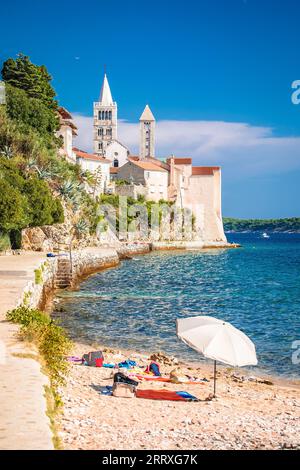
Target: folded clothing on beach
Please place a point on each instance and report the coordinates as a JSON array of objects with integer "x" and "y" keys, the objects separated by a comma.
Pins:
[
  {"x": 153, "y": 368},
  {"x": 128, "y": 364},
  {"x": 165, "y": 395}
]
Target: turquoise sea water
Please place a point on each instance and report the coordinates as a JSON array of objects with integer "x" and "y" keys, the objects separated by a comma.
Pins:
[{"x": 256, "y": 288}]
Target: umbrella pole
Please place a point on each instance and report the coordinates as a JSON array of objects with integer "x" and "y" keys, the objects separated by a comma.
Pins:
[{"x": 215, "y": 378}]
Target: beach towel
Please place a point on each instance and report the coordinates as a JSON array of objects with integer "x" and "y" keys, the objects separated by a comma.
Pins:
[
  {"x": 165, "y": 395},
  {"x": 75, "y": 359}
]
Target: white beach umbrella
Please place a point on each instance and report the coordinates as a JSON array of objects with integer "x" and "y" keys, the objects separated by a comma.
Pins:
[{"x": 217, "y": 340}]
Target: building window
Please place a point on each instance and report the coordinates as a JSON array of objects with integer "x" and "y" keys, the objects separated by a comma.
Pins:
[
  {"x": 103, "y": 115},
  {"x": 116, "y": 163},
  {"x": 109, "y": 115},
  {"x": 100, "y": 132},
  {"x": 116, "y": 154},
  {"x": 99, "y": 115},
  {"x": 100, "y": 146},
  {"x": 106, "y": 115},
  {"x": 109, "y": 131}
]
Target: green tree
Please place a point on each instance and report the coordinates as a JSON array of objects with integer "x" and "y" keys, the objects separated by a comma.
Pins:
[
  {"x": 40, "y": 201},
  {"x": 13, "y": 208},
  {"x": 34, "y": 79},
  {"x": 31, "y": 112}
]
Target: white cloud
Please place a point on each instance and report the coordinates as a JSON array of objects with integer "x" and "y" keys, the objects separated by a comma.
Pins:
[{"x": 241, "y": 149}]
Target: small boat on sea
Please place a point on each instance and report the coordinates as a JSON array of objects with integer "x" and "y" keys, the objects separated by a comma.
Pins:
[{"x": 265, "y": 235}]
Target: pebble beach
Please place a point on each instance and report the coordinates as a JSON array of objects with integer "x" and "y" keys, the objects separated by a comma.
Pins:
[{"x": 250, "y": 412}]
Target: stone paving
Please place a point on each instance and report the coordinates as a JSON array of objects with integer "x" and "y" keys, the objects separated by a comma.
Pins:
[{"x": 23, "y": 420}]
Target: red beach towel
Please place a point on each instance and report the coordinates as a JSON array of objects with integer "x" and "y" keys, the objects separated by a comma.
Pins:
[{"x": 160, "y": 395}]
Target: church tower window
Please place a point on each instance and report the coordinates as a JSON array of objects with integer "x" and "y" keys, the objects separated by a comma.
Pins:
[
  {"x": 100, "y": 131},
  {"x": 116, "y": 163}
]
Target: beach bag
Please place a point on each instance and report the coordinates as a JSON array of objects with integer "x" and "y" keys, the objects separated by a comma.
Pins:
[
  {"x": 123, "y": 390},
  {"x": 119, "y": 377},
  {"x": 93, "y": 359}
]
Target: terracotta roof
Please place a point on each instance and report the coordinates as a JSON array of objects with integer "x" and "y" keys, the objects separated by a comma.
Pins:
[
  {"x": 113, "y": 170},
  {"x": 164, "y": 165},
  {"x": 204, "y": 170},
  {"x": 64, "y": 113},
  {"x": 180, "y": 161},
  {"x": 148, "y": 166},
  {"x": 90, "y": 156},
  {"x": 155, "y": 161}
]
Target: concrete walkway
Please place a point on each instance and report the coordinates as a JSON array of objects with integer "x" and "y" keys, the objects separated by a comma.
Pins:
[{"x": 23, "y": 420}]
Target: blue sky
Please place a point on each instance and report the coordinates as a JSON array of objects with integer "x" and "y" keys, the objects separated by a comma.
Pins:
[{"x": 216, "y": 73}]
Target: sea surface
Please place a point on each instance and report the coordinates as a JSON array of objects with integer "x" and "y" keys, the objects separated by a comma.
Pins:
[{"x": 256, "y": 288}]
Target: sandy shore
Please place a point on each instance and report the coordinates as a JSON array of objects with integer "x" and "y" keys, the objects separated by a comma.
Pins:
[{"x": 247, "y": 414}]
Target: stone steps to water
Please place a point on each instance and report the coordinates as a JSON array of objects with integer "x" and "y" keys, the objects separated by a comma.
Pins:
[{"x": 64, "y": 275}]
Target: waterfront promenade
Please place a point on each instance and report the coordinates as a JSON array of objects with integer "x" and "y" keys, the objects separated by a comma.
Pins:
[{"x": 23, "y": 420}]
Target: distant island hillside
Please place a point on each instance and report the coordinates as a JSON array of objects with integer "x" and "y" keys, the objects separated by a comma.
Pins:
[{"x": 291, "y": 225}]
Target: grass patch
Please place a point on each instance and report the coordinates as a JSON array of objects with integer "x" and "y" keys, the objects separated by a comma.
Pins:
[
  {"x": 53, "y": 409},
  {"x": 26, "y": 356}
]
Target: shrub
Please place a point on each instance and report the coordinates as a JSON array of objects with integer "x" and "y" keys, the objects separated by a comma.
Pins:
[
  {"x": 51, "y": 340},
  {"x": 13, "y": 207},
  {"x": 15, "y": 239},
  {"x": 38, "y": 276},
  {"x": 54, "y": 345},
  {"x": 4, "y": 242},
  {"x": 25, "y": 315}
]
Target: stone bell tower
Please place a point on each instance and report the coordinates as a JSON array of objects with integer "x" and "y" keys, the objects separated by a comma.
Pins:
[
  {"x": 105, "y": 119},
  {"x": 147, "y": 134}
]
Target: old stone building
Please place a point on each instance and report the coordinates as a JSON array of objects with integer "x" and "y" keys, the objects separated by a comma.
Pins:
[
  {"x": 96, "y": 165},
  {"x": 148, "y": 174},
  {"x": 67, "y": 131}
]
